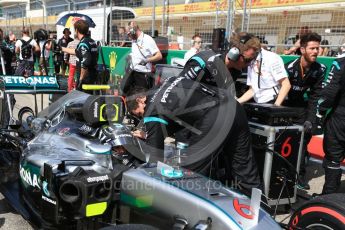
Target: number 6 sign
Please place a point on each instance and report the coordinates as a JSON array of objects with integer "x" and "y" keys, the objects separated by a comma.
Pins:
[{"x": 286, "y": 148}]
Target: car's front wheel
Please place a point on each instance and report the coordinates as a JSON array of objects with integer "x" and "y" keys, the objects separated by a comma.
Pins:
[{"x": 324, "y": 212}]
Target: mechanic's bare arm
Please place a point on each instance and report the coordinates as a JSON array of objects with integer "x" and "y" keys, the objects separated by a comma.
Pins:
[
  {"x": 227, "y": 62},
  {"x": 37, "y": 49},
  {"x": 83, "y": 73},
  {"x": 284, "y": 90},
  {"x": 122, "y": 44},
  {"x": 158, "y": 56},
  {"x": 48, "y": 45},
  {"x": 68, "y": 50},
  {"x": 246, "y": 96},
  {"x": 293, "y": 49}
]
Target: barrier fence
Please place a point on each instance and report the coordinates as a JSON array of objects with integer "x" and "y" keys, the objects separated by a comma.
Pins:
[
  {"x": 277, "y": 23},
  {"x": 115, "y": 58}
]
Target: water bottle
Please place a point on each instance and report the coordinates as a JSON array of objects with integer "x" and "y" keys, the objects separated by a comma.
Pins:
[
  {"x": 169, "y": 152},
  {"x": 181, "y": 149}
]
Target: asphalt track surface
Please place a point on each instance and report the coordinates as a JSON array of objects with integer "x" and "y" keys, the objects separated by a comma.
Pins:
[{"x": 9, "y": 219}]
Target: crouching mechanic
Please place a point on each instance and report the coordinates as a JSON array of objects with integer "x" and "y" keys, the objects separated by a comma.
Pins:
[
  {"x": 216, "y": 122},
  {"x": 333, "y": 96}
]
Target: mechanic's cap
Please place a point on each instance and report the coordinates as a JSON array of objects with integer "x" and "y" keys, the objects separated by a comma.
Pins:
[
  {"x": 66, "y": 30},
  {"x": 215, "y": 71}
]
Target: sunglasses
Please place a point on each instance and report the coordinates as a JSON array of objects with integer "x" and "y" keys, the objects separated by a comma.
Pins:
[
  {"x": 248, "y": 60},
  {"x": 198, "y": 42}
]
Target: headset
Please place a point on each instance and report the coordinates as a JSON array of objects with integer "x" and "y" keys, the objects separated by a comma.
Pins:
[
  {"x": 234, "y": 52},
  {"x": 132, "y": 29}
]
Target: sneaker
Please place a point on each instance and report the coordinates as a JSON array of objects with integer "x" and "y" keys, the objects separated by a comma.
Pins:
[
  {"x": 315, "y": 195},
  {"x": 303, "y": 183}
]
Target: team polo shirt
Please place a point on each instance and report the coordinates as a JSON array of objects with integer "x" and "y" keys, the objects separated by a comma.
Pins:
[
  {"x": 272, "y": 70},
  {"x": 143, "y": 48}
]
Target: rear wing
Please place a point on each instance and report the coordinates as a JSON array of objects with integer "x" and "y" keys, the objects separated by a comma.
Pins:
[{"x": 30, "y": 85}]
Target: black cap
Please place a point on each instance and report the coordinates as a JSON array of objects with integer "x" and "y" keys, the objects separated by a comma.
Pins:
[{"x": 66, "y": 29}]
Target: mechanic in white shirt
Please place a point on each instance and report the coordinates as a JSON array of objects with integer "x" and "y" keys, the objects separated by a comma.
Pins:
[
  {"x": 144, "y": 52},
  {"x": 267, "y": 79},
  {"x": 196, "y": 47}
]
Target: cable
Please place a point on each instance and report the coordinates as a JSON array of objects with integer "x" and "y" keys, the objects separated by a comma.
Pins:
[
  {"x": 288, "y": 124},
  {"x": 285, "y": 176},
  {"x": 285, "y": 160},
  {"x": 281, "y": 222},
  {"x": 285, "y": 179},
  {"x": 277, "y": 203}
]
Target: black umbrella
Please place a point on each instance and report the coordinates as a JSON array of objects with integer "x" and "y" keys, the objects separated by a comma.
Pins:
[{"x": 68, "y": 20}]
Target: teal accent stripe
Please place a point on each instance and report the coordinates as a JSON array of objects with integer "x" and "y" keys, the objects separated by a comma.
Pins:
[
  {"x": 83, "y": 44},
  {"x": 336, "y": 64},
  {"x": 155, "y": 119},
  {"x": 101, "y": 153},
  {"x": 200, "y": 61}
]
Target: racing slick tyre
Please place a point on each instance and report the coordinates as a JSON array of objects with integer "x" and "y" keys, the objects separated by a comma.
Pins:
[{"x": 323, "y": 212}]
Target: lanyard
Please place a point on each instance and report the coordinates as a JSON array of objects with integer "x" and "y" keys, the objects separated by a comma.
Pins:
[
  {"x": 259, "y": 72},
  {"x": 302, "y": 70}
]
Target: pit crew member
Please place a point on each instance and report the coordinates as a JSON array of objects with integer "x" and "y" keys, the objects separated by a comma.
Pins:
[{"x": 306, "y": 76}]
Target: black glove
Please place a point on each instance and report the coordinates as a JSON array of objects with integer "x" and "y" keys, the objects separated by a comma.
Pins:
[{"x": 308, "y": 126}]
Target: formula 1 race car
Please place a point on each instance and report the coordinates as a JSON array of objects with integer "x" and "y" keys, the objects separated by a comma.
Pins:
[{"x": 76, "y": 165}]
